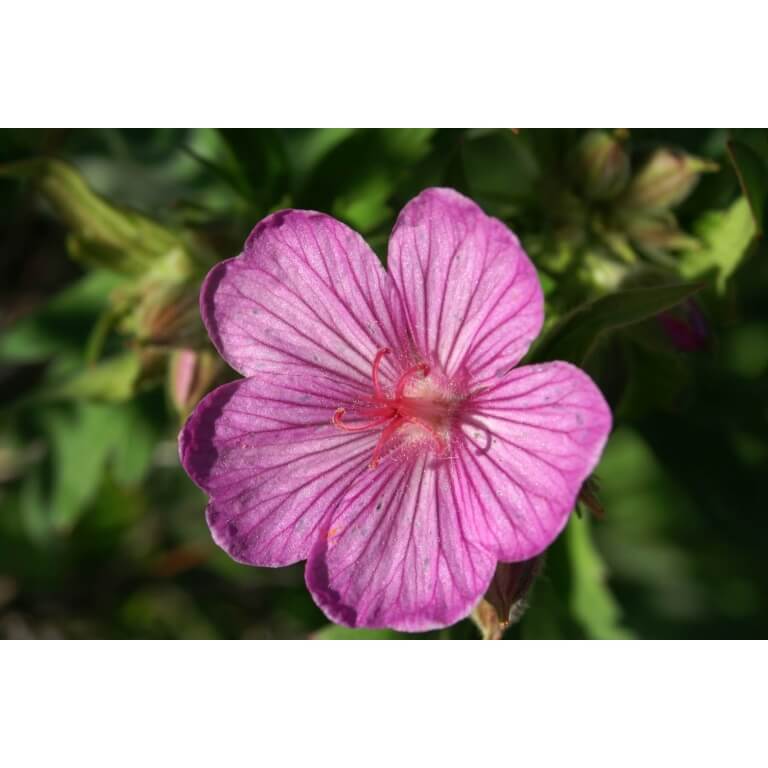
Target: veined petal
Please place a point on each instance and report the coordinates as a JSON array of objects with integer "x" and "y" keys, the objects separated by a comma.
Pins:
[
  {"x": 306, "y": 295},
  {"x": 265, "y": 451},
  {"x": 529, "y": 444},
  {"x": 395, "y": 554},
  {"x": 471, "y": 295}
]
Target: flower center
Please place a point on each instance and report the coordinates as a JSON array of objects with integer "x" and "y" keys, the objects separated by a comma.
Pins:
[{"x": 416, "y": 405}]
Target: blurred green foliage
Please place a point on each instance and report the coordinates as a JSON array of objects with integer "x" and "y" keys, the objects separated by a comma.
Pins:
[{"x": 648, "y": 244}]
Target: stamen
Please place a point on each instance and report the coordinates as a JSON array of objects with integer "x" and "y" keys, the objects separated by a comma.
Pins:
[
  {"x": 375, "y": 373},
  {"x": 409, "y": 374},
  {"x": 336, "y": 421},
  {"x": 389, "y": 412},
  {"x": 383, "y": 439}
]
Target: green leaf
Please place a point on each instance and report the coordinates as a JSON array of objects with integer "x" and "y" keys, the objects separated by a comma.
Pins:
[
  {"x": 547, "y": 615},
  {"x": 725, "y": 237},
  {"x": 81, "y": 441},
  {"x": 571, "y": 599},
  {"x": 165, "y": 611},
  {"x": 308, "y": 146},
  {"x": 111, "y": 380},
  {"x": 657, "y": 374},
  {"x": 407, "y": 144},
  {"x": 86, "y": 439},
  {"x": 501, "y": 170},
  {"x": 591, "y": 601},
  {"x": 258, "y": 163},
  {"x": 133, "y": 452},
  {"x": 356, "y": 180},
  {"x": 60, "y": 326},
  {"x": 573, "y": 338},
  {"x": 752, "y": 171},
  {"x": 336, "y": 632},
  {"x": 102, "y": 234},
  {"x": 365, "y": 207},
  {"x": 34, "y": 507}
]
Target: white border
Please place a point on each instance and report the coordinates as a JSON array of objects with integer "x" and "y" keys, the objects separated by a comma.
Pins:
[
  {"x": 383, "y": 704},
  {"x": 404, "y": 62}
]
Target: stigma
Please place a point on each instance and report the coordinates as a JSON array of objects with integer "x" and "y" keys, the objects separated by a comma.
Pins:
[{"x": 416, "y": 410}]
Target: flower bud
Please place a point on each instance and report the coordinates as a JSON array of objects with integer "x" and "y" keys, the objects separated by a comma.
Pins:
[
  {"x": 101, "y": 234},
  {"x": 685, "y": 326},
  {"x": 601, "y": 272},
  {"x": 653, "y": 233},
  {"x": 505, "y": 601},
  {"x": 600, "y": 166},
  {"x": 167, "y": 314},
  {"x": 191, "y": 374},
  {"x": 665, "y": 181}
]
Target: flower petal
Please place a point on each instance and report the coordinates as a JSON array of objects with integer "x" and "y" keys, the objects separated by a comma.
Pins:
[
  {"x": 265, "y": 451},
  {"x": 529, "y": 444},
  {"x": 394, "y": 553},
  {"x": 471, "y": 295},
  {"x": 306, "y": 295}
]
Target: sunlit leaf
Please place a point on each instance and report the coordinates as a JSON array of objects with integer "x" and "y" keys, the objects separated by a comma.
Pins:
[
  {"x": 407, "y": 144},
  {"x": 591, "y": 601},
  {"x": 111, "y": 380},
  {"x": 81, "y": 440},
  {"x": 365, "y": 207},
  {"x": 86, "y": 441},
  {"x": 752, "y": 171},
  {"x": 725, "y": 237},
  {"x": 374, "y": 161},
  {"x": 307, "y": 147}
]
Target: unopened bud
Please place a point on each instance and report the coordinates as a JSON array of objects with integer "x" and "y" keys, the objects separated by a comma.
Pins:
[
  {"x": 102, "y": 234},
  {"x": 685, "y": 326},
  {"x": 665, "y": 181},
  {"x": 191, "y": 374},
  {"x": 600, "y": 271},
  {"x": 506, "y": 599},
  {"x": 600, "y": 166},
  {"x": 167, "y": 314},
  {"x": 657, "y": 233}
]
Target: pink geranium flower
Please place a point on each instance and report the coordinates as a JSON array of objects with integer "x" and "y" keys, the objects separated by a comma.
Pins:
[{"x": 382, "y": 432}]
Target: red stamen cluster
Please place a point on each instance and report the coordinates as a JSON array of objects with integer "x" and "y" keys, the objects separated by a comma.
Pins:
[{"x": 391, "y": 413}]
